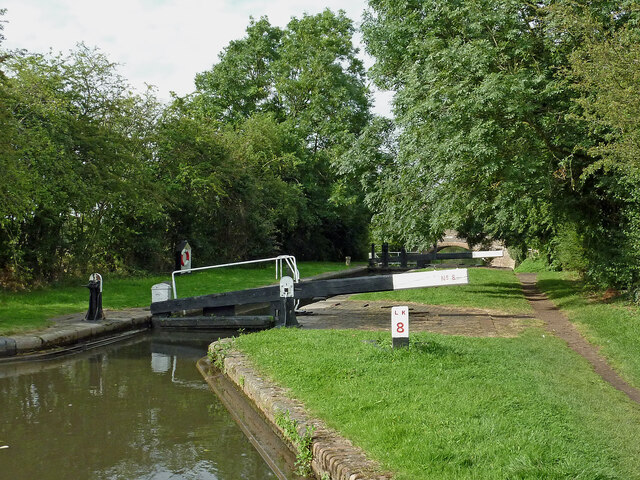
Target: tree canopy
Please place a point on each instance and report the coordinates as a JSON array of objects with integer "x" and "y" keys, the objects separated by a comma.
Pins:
[
  {"x": 96, "y": 176},
  {"x": 307, "y": 86},
  {"x": 495, "y": 139},
  {"x": 514, "y": 120}
]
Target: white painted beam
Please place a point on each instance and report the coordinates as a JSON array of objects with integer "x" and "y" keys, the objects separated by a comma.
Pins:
[
  {"x": 487, "y": 254},
  {"x": 434, "y": 278}
]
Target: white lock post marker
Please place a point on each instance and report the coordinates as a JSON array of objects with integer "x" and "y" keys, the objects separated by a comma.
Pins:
[{"x": 400, "y": 327}]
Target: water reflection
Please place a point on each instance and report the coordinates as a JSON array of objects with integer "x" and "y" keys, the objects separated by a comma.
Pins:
[{"x": 138, "y": 410}]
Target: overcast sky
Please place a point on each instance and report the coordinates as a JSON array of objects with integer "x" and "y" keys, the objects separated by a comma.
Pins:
[{"x": 160, "y": 42}]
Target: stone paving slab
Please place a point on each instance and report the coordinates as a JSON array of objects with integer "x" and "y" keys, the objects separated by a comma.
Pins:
[
  {"x": 69, "y": 330},
  {"x": 341, "y": 313}
]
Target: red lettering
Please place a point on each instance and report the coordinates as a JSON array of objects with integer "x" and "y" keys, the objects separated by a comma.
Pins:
[{"x": 400, "y": 327}]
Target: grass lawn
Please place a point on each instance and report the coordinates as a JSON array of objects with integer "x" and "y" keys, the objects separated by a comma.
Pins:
[
  {"x": 488, "y": 288},
  {"x": 614, "y": 327},
  {"x": 26, "y": 311},
  {"x": 454, "y": 407}
]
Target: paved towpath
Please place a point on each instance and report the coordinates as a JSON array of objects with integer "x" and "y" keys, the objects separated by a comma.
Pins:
[
  {"x": 69, "y": 331},
  {"x": 340, "y": 312}
]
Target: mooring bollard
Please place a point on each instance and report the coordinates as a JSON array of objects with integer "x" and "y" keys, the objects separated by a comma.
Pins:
[
  {"x": 400, "y": 327},
  {"x": 95, "y": 298}
]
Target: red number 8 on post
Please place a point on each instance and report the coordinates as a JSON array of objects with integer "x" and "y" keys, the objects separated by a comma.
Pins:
[{"x": 400, "y": 322}]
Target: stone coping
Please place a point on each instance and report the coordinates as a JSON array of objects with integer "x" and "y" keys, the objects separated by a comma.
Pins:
[
  {"x": 72, "y": 330},
  {"x": 333, "y": 455}
]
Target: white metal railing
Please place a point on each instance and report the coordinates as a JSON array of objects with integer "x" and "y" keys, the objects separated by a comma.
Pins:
[{"x": 290, "y": 261}]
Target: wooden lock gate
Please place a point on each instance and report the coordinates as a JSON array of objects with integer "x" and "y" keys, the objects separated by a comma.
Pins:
[{"x": 219, "y": 310}]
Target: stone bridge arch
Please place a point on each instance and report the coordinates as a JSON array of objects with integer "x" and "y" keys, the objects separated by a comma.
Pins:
[{"x": 451, "y": 239}]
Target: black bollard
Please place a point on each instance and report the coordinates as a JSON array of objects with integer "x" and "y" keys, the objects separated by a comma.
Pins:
[
  {"x": 95, "y": 313},
  {"x": 385, "y": 255},
  {"x": 403, "y": 257}
]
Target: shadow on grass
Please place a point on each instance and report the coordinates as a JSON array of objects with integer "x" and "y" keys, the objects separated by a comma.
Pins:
[
  {"x": 564, "y": 292},
  {"x": 430, "y": 348},
  {"x": 507, "y": 287},
  {"x": 434, "y": 349},
  {"x": 497, "y": 290}
]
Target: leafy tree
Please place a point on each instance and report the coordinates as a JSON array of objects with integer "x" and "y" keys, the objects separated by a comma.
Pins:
[
  {"x": 320, "y": 81},
  {"x": 79, "y": 139},
  {"x": 216, "y": 197},
  {"x": 605, "y": 71},
  {"x": 491, "y": 140},
  {"x": 15, "y": 185},
  {"x": 307, "y": 79},
  {"x": 242, "y": 83}
]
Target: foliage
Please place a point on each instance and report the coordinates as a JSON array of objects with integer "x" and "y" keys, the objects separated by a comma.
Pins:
[
  {"x": 458, "y": 407},
  {"x": 96, "y": 176},
  {"x": 605, "y": 72},
  {"x": 301, "y": 442},
  {"x": 302, "y": 90},
  {"x": 495, "y": 138},
  {"x": 218, "y": 351},
  {"x": 78, "y": 191}
]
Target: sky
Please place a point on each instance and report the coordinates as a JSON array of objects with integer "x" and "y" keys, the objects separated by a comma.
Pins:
[{"x": 159, "y": 42}]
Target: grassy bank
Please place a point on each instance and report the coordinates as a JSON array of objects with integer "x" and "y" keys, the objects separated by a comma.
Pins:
[
  {"x": 459, "y": 407},
  {"x": 488, "y": 288},
  {"x": 614, "y": 327},
  {"x": 30, "y": 310}
]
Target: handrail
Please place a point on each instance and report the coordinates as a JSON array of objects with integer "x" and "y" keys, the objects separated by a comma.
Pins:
[{"x": 290, "y": 260}]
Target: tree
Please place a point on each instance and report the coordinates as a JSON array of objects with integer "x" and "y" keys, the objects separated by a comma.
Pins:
[
  {"x": 320, "y": 81},
  {"x": 605, "y": 71},
  {"x": 15, "y": 184},
  {"x": 242, "y": 83},
  {"x": 308, "y": 80},
  {"x": 492, "y": 142},
  {"x": 81, "y": 141}
]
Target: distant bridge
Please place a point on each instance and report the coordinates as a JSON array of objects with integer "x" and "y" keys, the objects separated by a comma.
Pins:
[{"x": 451, "y": 239}]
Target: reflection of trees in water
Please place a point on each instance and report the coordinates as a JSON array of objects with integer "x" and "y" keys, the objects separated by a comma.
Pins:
[{"x": 110, "y": 415}]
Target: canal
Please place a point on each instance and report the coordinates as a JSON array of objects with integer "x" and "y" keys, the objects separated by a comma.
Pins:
[{"x": 136, "y": 409}]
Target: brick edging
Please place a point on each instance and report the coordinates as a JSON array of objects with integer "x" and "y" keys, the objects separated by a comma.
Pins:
[{"x": 333, "y": 454}]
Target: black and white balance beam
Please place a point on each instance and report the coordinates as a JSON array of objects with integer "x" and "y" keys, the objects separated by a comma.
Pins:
[{"x": 315, "y": 289}]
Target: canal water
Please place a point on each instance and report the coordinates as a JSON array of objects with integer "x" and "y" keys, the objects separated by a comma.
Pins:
[{"x": 137, "y": 409}]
